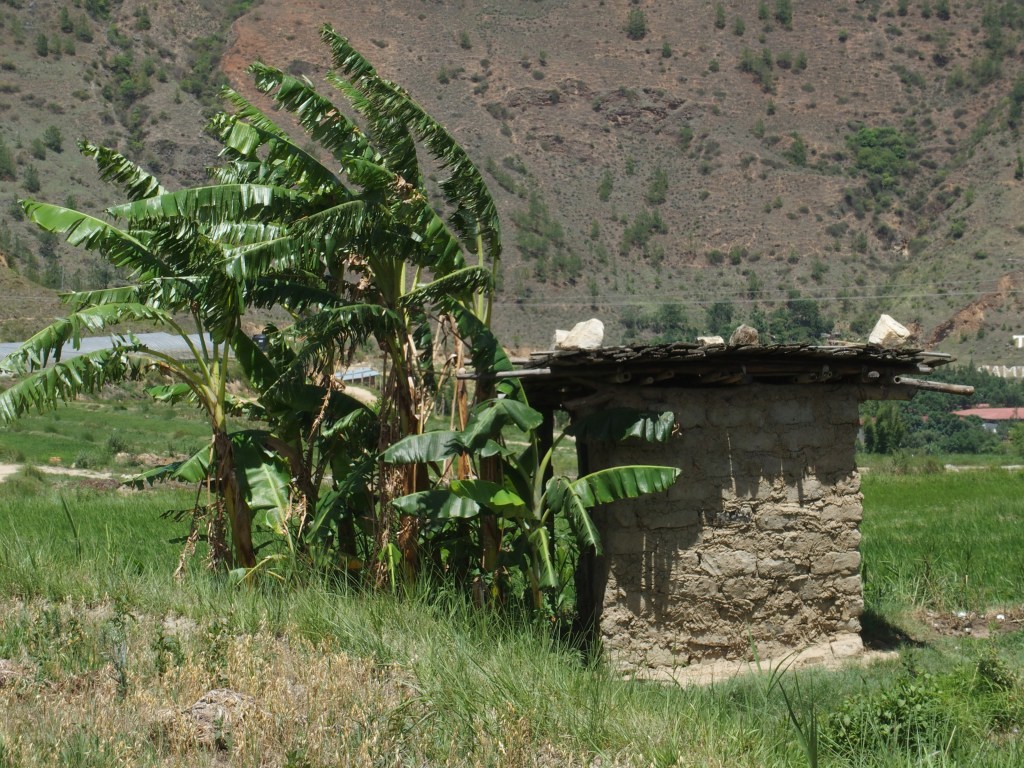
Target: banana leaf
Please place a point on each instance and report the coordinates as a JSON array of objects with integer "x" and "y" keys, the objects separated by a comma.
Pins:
[
  {"x": 608, "y": 485},
  {"x": 440, "y": 504}
]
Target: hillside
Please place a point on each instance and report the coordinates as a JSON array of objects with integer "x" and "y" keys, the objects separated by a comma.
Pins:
[
  {"x": 130, "y": 75},
  {"x": 803, "y": 166}
]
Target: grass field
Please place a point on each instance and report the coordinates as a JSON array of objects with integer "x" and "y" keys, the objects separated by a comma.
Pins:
[
  {"x": 92, "y": 433},
  {"x": 105, "y": 651}
]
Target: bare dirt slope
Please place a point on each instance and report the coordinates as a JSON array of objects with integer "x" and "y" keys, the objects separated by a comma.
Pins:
[
  {"x": 643, "y": 180},
  {"x": 552, "y": 96}
]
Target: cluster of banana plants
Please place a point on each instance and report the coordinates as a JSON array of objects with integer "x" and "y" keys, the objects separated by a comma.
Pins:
[
  {"x": 343, "y": 238},
  {"x": 525, "y": 497},
  {"x": 349, "y": 245}
]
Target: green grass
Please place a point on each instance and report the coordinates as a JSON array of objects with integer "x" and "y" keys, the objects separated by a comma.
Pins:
[
  {"x": 108, "y": 638},
  {"x": 430, "y": 680},
  {"x": 948, "y": 541},
  {"x": 104, "y": 544},
  {"x": 90, "y": 433},
  {"x": 908, "y": 464}
]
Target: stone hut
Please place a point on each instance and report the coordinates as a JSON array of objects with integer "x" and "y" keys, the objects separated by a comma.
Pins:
[{"x": 757, "y": 546}]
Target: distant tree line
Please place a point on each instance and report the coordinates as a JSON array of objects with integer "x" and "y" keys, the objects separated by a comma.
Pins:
[
  {"x": 795, "y": 321},
  {"x": 927, "y": 425}
]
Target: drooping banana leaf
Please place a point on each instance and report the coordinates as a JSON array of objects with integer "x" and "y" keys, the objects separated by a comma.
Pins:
[
  {"x": 324, "y": 123},
  {"x": 492, "y": 496},
  {"x": 284, "y": 162},
  {"x": 62, "y": 382},
  {"x": 492, "y": 416},
  {"x": 629, "y": 482},
  {"x": 259, "y": 370},
  {"x": 194, "y": 469},
  {"x": 215, "y": 204},
  {"x": 475, "y": 213},
  {"x": 460, "y": 283},
  {"x": 425, "y": 448},
  {"x": 561, "y": 498},
  {"x": 486, "y": 352},
  {"x": 80, "y": 229},
  {"x": 236, "y": 233},
  {"x": 48, "y": 342},
  {"x": 171, "y": 393},
  {"x": 440, "y": 504},
  {"x": 264, "y": 478},
  {"x": 121, "y": 295},
  {"x": 540, "y": 548},
  {"x": 296, "y": 293},
  {"x": 116, "y": 168}
]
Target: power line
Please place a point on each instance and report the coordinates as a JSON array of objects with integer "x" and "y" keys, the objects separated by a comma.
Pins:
[{"x": 740, "y": 298}]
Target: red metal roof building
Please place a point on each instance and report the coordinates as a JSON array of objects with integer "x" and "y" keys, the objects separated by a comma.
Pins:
[{"x": 993, "y": 414}]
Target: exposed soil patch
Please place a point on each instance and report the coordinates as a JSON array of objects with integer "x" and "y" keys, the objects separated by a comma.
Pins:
[
  {"x": 104, "y": 479},
  {"x": 973, "y": 623},
  {"x": 971, "y": 318}
]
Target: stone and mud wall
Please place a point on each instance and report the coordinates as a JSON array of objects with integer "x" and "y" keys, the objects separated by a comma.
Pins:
[{"x": 757, "y": 544}]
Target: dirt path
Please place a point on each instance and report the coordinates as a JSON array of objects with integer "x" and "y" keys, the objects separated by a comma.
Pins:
[{"x": 9, "y": 470}]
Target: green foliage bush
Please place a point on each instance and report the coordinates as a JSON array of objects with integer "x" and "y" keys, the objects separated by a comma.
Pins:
[
  {"x": 8, "y": 165},
  {"x": 31, "y": 179},
  {"x": 53, "y": 139},
  {"x": 540, "y": 237},
  {"x": 685, "y": 137},
  {"x": 886, "y": 432},
  {"x": 636, "y": 24},
  {"x": 657, "y": 188},
  {"x": 796, "y": 153},
  {"x": 83, "y": 29},
  {"x": 661, "y": 323},
  {"x": 930, "y": 425},
  {"x": 784, "y": 13},
  {"x": 881, "y": 154},
  {"x": 720, "y": 318},
  {"x": 98, "y": 9},
  {"x": 911, "y": 715},
  {"x": 644, "y": 227},
  {"x": 760, "y": 65},
  {"x": 984, "y": 71},
  {"x": 798, "y": 321},
  {"x": 205, "y": 79}
]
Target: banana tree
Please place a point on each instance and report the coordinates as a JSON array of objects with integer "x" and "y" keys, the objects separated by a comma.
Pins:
[
  {"x": 177, "y": 272},
  {"x": 351, "y": 246},
  {"x": 528, "y": 496},
  {"x": 363, "y": 234}
]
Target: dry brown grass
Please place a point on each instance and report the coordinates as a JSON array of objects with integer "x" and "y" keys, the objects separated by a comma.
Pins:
[{"x": 297, "y": 703}]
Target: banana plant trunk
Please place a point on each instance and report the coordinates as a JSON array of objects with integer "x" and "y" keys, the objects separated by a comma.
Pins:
[{"x": 239, "y": 517}]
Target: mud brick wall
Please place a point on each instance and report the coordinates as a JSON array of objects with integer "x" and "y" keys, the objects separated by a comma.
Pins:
[{"x": 757, "y": 541}]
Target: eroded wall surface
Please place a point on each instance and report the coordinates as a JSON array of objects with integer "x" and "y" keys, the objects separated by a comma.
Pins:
[{"x": 756, "y": 544}]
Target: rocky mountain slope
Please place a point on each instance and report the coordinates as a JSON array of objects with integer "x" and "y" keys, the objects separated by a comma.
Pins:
[{"x": 672, "y": 168}]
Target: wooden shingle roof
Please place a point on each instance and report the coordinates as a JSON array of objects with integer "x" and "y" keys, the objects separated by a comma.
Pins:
[{"x": 559, "y": 374}]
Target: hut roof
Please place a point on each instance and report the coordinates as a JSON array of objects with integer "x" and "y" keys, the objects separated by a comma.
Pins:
[{"x": 556, "y": 375}]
